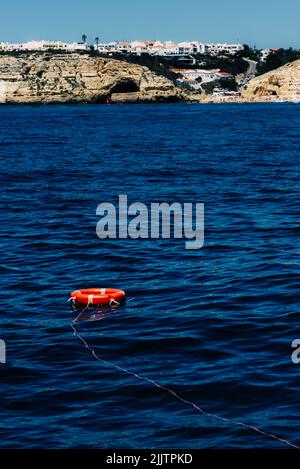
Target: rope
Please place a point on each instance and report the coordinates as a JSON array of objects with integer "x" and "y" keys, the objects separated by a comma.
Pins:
[
  {"x": 173, "y": 393},
  {"x": 114, "y": 303}
]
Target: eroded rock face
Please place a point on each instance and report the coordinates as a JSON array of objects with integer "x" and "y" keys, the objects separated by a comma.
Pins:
[
  {"x": 47, "y": 78},
  {"x": 280, "y": 84}
]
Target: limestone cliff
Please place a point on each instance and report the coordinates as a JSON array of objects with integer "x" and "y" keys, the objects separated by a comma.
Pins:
[
  {"x": 48, "y": 78},
  {"x": 282, "y": 84}
]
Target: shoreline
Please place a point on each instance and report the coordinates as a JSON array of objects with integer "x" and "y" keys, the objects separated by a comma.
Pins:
[
  {"x": 55, "y": 79},
  {"x": 262, "y": 100},
  {"x": 148, "y": 102}
]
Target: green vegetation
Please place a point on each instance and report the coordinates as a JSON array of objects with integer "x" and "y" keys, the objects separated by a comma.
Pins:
[
  {"x": 225, "y": 84},
  {"x": 210, "y": 86},
  {"x": 154, "y": 63},
  {"x": 233, "y": 64},
  {"x": 250, "y": 53},
  {"x": 277, "y": 59},
  {"x": 230, "y": 64}
]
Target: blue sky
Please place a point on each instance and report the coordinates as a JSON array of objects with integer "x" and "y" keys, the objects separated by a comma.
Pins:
[{"x": 266, "y": 23}]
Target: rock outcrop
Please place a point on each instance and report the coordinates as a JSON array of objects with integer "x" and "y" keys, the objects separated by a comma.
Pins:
[
  {"x": 74, "y": 78},
  {"x": 282, "y": 84}
]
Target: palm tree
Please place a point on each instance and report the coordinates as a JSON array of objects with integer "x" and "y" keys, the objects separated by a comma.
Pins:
[
  {"x": 84, "y": 38},
  {"x": 97, "y": 42}
]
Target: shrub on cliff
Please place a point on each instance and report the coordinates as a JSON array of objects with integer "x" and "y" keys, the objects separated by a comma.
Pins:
[
  {"x": 233, "y": 64},
  {"x": 221, "y": 83},
  {"x": 278, "y": 58},
  {"x": 154, "y": 63}
]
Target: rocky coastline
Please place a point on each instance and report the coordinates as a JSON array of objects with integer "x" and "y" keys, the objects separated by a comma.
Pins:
[
  {"x": 278, "y": 86},
  {"x": 49, "y": 79},
  {"x": 59, "y": 78}
]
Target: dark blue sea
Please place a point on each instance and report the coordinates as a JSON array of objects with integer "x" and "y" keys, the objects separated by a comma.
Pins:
[{"x": 215, "y": 325}]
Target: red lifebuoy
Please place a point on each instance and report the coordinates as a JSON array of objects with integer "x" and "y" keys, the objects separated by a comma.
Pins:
[{"x": 98, "y": 296}]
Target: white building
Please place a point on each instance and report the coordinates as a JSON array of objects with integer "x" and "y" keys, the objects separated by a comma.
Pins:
[
  {"x": 5, "y": 46},
  {"x": 265, "y": 53},
  {"x": 73, "y": 47},
  {"x": 135, "y": 47},
  {"x": 42, "y": 46},
  {"x": 194, "y": 47},
  {"x": 140, "y": 47},
  {"x": 194, "y": 74},
  {"x": 123, "y": 47},
  {"x": 215, "y": 49}
]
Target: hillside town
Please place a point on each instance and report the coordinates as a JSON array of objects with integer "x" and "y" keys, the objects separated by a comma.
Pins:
[
  {"x": 134, "y": 47},
  {"x": 183, "y": 59}
]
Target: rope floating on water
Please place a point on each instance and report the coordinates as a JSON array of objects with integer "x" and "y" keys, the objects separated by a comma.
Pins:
[{"x": 174, "y": 393}]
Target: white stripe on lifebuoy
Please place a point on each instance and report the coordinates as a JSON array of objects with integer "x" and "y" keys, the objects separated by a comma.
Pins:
[{"x": 98, "y": 296}]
